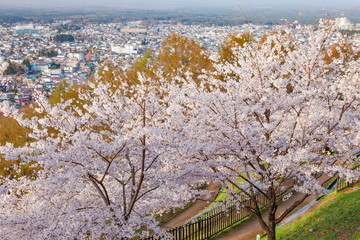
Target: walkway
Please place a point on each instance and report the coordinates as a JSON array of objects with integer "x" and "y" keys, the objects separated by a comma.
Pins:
[{"x": 194, "y": 209}]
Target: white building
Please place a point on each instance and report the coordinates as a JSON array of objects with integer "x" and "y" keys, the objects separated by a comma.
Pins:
[
  {"x": 79, "y": 56},
  {"x": 126, "y": 49},
  {"x": 343, "y": 24},
  {"x": 40, "y": 66}
]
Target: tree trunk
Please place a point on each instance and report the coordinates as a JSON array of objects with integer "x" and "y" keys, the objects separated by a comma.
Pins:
[
  {"x": 271, "y": 235},
  {"x": 272, "y": 222}
]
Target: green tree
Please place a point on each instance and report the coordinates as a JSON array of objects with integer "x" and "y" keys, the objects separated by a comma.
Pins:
[
  {"x": 13, "y": 68},
  {"x": 64, "y": 38},
  {"x": 26, "y": 63},
  {"x": 48, "y": 53},
  {"x": 54, "y": 65}
]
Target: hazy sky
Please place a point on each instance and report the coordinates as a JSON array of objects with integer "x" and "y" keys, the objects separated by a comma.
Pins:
[{"x": 173, "y": 4}]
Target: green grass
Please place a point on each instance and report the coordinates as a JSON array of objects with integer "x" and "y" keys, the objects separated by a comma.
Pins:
[
  {"x": 221, "y": 196},
  {"x": 338, "y": 218}
]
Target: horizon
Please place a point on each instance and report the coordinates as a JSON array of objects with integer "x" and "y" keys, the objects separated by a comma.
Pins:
[{"x": 180, "y": 4}]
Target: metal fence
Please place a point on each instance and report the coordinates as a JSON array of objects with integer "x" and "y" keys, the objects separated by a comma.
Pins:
[
  {"x": 342, "y": 183},
  {"x": 214, "y": 221}
]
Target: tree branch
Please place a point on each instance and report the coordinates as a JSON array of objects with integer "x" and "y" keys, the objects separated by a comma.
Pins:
[
  {"x": 111, "y": 161},
  {"x": 104, "y": 194},
  {"x": 292, "y": 207}
]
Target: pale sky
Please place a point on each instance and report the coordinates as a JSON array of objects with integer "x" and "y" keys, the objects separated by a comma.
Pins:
[{"x": 173, "y": 4}]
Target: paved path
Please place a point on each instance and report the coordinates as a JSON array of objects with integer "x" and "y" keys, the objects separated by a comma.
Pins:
[{"x": 194, "y": 209}]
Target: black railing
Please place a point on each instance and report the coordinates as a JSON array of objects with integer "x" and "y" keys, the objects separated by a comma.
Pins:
[
  {"x": 342, "y": 183},
  {"x": 215, "y": 221},
  {"x": 205, "y": 227}
]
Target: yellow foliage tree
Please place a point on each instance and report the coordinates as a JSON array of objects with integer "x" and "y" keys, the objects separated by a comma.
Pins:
[
  {"x": 64, "y": 91},
  {"x": 146, "y": 65},
  {"x": 235, "y": 40},
  {"x": 341, "y": 48},
  {"x": 179, "y": 56},
  {"x": 12, "y": 132}
]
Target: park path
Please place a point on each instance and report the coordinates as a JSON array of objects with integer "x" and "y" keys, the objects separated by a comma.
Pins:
[
  {"x": 194, "y": 209},
  {"x": 249, "y": 229}
]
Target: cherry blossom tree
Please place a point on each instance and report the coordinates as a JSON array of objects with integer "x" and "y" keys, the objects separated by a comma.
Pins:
[
  {"x": 265, "y": 127},
  {"x": 107, "y": 166},
  {"x": 119, "y": 154}
]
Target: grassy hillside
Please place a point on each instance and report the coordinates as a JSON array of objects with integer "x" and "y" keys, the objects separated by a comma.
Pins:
[{"x": 337, "y": 218}]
